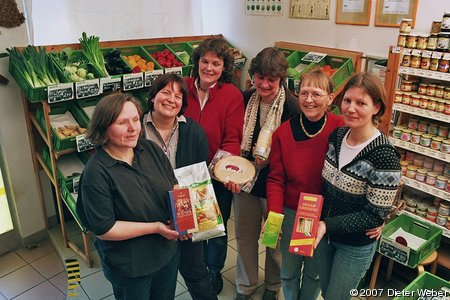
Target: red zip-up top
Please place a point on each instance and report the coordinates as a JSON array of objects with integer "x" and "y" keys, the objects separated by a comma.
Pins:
[{"x": 222, "y": 116}]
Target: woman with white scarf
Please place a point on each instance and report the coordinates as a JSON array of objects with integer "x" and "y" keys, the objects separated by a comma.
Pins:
[{"x": 268, "y": 104}]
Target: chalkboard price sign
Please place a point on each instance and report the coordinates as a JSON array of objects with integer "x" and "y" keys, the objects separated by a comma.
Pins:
[
  {"x": 87, "y": 88},
  {"x": 110, "y": 84},
  {"x": 60, "y": 92},
  {"x": 394, "y": 250},
  {"x": 176, "y": 70},
  {"x": 83, "y": 144},
  {"x": 150, "y": 76},
  {"x": 133, "y": 81}
]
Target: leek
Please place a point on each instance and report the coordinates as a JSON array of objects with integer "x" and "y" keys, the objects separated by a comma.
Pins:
[{"x": 91, "y": 48}]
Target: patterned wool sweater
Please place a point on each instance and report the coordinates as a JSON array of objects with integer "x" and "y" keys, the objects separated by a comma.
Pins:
[{"x": 360, "y": 195}]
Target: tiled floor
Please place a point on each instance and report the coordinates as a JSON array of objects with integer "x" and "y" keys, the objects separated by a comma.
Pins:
[{"x": 39, "y": 273}]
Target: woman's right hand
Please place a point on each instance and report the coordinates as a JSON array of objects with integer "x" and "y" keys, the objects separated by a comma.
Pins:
[
  {"x": 233, "y": 187},
  {"x": 167, "y": 232}
]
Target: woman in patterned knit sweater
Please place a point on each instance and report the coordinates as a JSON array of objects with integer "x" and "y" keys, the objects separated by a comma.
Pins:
[{"x": 361, "y": 176}]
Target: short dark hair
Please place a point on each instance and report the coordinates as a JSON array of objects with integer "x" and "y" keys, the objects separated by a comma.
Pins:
[
  {"x": 372, "y": 86},
  {"x": 220, "y": 47},
  {"x": 270, "y": 62},
  {"x": 163, "y": 80},
  {"x": 105, "y": 113}
]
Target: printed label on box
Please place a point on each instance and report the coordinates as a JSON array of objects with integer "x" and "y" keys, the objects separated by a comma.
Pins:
[
  {"x": 305, "y": 225},
  {"x": 272, "y": 229}
]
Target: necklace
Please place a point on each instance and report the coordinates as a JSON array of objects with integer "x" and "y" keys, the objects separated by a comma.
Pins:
[
  {"x": 201, "y": 89},
  {"x": 306, "y": 132}
]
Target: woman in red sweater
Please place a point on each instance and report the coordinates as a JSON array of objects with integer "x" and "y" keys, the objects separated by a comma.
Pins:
[
  {"x": 296, "y": 161},
  {"x": 218, "y": 106}
]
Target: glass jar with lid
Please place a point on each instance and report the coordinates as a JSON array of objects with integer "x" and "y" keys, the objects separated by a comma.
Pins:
[
  {"x": 436, "y": 142},
  {"x": 406, "y": 98},
  {"x": 406, "y": 60},
  {"x": 401, "y": 40},
  {"x": 422, "y": 88},
  {"x": 415, "y": 100},
  {"x": 440, "y": 105},
  {"x": 447, "y": 93},
  {"x": 405, "y": 25},
  {"x": 406, "y": 85},
  {"x": 431, "y": 89},
  {"x": 444, "y": 65},
  {"x": 439, "y": 91},
  {"x": 411, "y": 41},
  {"x": 432, "y": 41},
  {"x": 424, "y": 102},
  {"x": 415, "y": 61},
  {"x": 434, "y": 64},
  {"x": 445, "y": 24},
  {"x": 447, "y": 107},
  {"x": 398, "y": 96},
  {"x": 442, "y": 42},
  {"x": 422, "y": 41}
]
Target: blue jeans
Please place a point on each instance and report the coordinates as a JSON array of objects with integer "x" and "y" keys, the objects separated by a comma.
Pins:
[
  {"x": 194, "y": 272},
  {"x": 337, "y": 259},
  {"x": 216, "y": 248},
  {"x": 296, "y": 286},
  {"x": 158, "y": 285}
]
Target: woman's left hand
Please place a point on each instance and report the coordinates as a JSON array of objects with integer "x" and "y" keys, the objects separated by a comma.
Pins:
[
  {"x": 375, "y": 233},
  {"x": 321, "y": 230},
  {"x": 233, "y": 187}
]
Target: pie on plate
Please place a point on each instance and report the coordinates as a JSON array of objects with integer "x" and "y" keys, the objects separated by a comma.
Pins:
[{"x": 234, "y": 168}]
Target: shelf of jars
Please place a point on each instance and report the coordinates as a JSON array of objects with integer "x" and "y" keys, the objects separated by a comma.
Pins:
[
  {"x": 438, "y": 116},
  {"x": 445, "y": 230},
  {"x": 425, "y": 73},
  {"x": 419, "y": 149},
  {"x": 427, "y": 188}
]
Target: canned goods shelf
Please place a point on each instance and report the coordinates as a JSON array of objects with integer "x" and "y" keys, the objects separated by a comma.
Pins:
[
  {"x": 422, "y": 112},
  {"x": 445, "y": 231},
  {"x": 420, "y": 149},
  {"x": 425, "y": 73},
  {"x": 426, "y": 188}
]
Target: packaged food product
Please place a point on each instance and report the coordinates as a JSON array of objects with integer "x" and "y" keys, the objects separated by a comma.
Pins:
[
  {"x": 415, "y": 137},
  {"x": 401, "y": 40},
  {"x": 436, "y": 26},
  {"x": 405, "y": 26},
  {"x": 431, "y": 178},
  {"x": 411, "y": 41},
  {"x": 422, "y": 41},
  {"x": 441, "y": 182},
  {"x": 421, "y": 175},
  {"x": 432, "y": 41}
]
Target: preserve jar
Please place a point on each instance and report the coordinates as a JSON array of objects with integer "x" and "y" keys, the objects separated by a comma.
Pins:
[
  {"x": 442, "y": 42},
  {"x": 411, "y": 172},
  {"x": 422, "y": 206},
  {"x": 441, "y": 182},
  {"x": 415, "y": 100},
  {"x": 431, "y": 104},
  {"x": 406, "y": 85},
  {"x": 397, "y": 132},
  {"x": 447, "y": 93},
  {"x": 422, "y": 41},
  {"x": 443, "y": 65},
  {"x": 409, "y": 156},
  {"x": 432, "y": 210},
  {"x": 406, "y": 60},
  {"x": 411, "y": 41},
  {"x": 434, "y": 64},
  {"x": 436, "y": 142},
  {"x": 431, "y": 89},
  {"x": 445, "y": 24},
  {"x": 432, "y": 41},
  {"x": 445, "y": 147},
  {"x": 405, "y": 26},
  {"x": 431, "y": 178},
  {"x": 444, "y": 208},
  {"x": 415, "y": 137},
  {"x": 415, "y": 61},
  {"x": 447, "y": 107},
  {"x": 406, "y": 99},
  {"x": 439, "y": 91},
  {"x": 425, "y": 63},
  {"x": 419, "y": 161},
  {"x": 398, "y": 96},
  {"x": 421, "y": 175},
  {"x": 438, "y": 166},
  {"x": 431, "y": 218},
  {"x": 423, "y": 125},
  {"x": 422, "y": 88},
  {"x": 443, "y": 131},
  {"x": 428, "y": 163},
  {"x": 425, "y": 140},
  {"x": 406, "y": 135},
  {"x": 433, "y": 128},
  {"x": 401, "y": 40},
  {"x": 441, "y": 220},
  {"x": 440, "y": 105},
  {"x": 422, "y": 214},
  {"x": 436, "y": 26},
  {"x": 413, "y": 123},
  {"x": 403, "y": 165}
]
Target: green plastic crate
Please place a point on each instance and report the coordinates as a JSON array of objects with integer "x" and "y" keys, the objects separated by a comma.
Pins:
[
  {"x": 127, "y": 51},
  {"x": 87, "y": 102},
  {"x": 180, "y": 47},
  {"x": 61, "y": 108},
  {"x": 296, "y": 68},
  {"x": 344, "y": 66},
  {"x": 390, "y": 248},
  {"x": 81, "y": 158},
  {"x": 153, "y": 49},
  {"x": 424, "y": 281},
  {"x": 33, "y": 94},
  {"x": 125, "y": 65},
  {"x": 70, "y": 200}
]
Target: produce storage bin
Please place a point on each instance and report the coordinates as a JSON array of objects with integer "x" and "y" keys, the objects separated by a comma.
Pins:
[
  {"x": 61, "y": 108},
  {"x": 344, "y": 66},
  {"x": 70, "y": 199},
  {"x": 126, "y": 69},
  {"x": 70, "y": 167},
  {"x": 153, "y": 49},
  {"x": 424, "y": 281},
  {"x": 178, "y": 48},
  {"x": 392, "y": 249},
  {"x": 127, "y": 51},
  {"x": 87, "y": 104},
  {"x": 33, "y": 94},
  {"x": 296, "y": 68}
]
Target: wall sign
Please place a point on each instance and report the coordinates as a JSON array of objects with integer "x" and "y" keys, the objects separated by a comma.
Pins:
[{"x": 310, "y": 9}]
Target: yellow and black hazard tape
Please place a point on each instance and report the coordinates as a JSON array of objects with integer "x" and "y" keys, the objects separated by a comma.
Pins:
[{"x": 73, "y": 276}]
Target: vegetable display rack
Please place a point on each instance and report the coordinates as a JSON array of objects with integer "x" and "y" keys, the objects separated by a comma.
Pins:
[{"x": 40, "y": 103}]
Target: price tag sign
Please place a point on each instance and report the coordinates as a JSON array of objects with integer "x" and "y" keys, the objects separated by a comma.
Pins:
[
  {"x": 83, "y": 144},
  {"x": 110, "y": 84},
  {"x": 176, "y": 70},
  {"x": 75, "y": 183},
  {"x": 314, "y": 57},
  {"x": 398, "y": 50},
  {"x": 150, "y": 76},
  {"x": 60, "y": 92},
  {"x": 394, "y": 250},
  {"x": 87, "y": 88},
  {"x": 133, "y": 81},
  {"x": 416, "y": 52}
]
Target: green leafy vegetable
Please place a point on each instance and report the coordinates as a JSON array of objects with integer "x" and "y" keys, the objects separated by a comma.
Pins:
[{"x": 91, "y": 48}]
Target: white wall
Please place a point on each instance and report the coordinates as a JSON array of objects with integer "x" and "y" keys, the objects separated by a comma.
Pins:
[
  {"x": 253, "y": 33},
  {"x": 15, "y": 142}
]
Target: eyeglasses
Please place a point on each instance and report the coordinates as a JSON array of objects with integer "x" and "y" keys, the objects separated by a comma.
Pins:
[{"x": 314, "y": 95}]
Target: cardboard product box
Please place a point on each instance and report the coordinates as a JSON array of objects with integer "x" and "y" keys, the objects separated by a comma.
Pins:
[
  {"x": 272, "y": 229},
  {"x": 306, "y": 223},
  {"x": 184, "y": 218}
]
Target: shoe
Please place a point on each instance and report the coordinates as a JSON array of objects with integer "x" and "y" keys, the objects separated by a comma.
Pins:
[
  {"x": 216, "y": 282},
  {"x": 240, "y": 296},
  {"x": 270, "y": 295}
]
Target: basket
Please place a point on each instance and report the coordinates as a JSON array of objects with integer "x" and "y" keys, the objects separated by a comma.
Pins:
[
  {"x": 425, "y": 281},
  {"x": 61, "y": 108},
  {"x": 33, "y": 95},
  {"x": 403, "y": 254}
]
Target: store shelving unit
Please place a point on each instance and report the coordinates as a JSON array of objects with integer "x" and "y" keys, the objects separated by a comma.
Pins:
[
  {"x": 41, "y": 137},
  {"x": 394, "y": 75}
]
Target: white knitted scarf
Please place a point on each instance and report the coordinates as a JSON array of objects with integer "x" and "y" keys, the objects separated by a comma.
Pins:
[{"x": 251, "y": 113}]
